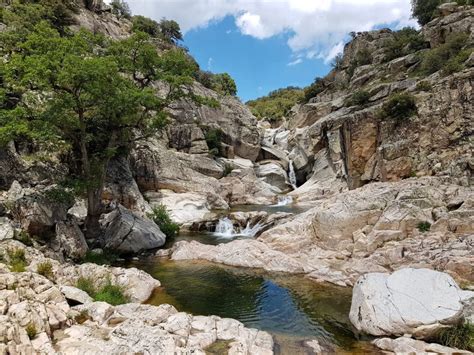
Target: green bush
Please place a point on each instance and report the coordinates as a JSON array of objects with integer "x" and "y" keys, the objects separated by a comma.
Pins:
[
  {"x": 460, "y": 336},
  {"x": 314, "y": 89},
  {"x": 31, "y": 331},
  {"x": 399, "y": 106},
  {"x": 24, "y": 237},
  {"x": 228, "y": 168},
  {"x": 112, "y": 294},
  {"x": 45, "y": 269},
  {"x": 424, "y": 86},
  {"x": 105, "y": 258},
  {"x": 277, "y": 104},
  {"x": 425, "y": 10},
  {"x": 145, "y": 24},
  {"x": 424, "y": 226},
  {"x": 60, "y": 195},
  {"x": 405, "y": 41},
  {"x": 161, "y": 217},
  {"x": 121, "y": 9},
  {"x": 448, "y": 57},
  {"x": 362, "y": 57},
  {"x": 359, "y": 98},
  {"x": 87, "y": 285},
  {"x": 213, "y": 139},
  {"x": 17, "y": 259}
]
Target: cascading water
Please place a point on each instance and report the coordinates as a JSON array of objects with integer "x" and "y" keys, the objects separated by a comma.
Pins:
[
  {"x": 292, "y": 175},
  {"x": 284, "y": 200},
  {"x": 225, "y": 229}
]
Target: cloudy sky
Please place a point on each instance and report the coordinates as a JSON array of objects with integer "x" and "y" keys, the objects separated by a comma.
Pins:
[{"x": 267, "y": 44}]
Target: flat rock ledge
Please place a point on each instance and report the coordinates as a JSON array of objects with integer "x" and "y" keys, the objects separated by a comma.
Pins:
[
  {"x": 35, "y": 317},
  {"x": 406, "y": 345}
]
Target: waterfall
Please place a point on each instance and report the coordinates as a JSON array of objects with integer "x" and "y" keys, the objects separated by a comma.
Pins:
[
  {"x": 225, "y": 229},
  {"x": 292, "y": 175},
  {"x": 284, "y": 200}
]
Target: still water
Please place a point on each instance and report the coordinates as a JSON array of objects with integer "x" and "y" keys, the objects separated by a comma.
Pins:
[{"x": 292, "y": 308}]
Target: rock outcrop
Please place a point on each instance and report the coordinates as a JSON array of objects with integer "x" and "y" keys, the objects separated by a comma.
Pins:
[
  {"x": 128, "y": 233},
  {"x": 418, "y": 302}
]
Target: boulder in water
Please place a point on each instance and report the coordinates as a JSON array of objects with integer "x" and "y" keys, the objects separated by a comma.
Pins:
[{"x": 419, "y": 302}]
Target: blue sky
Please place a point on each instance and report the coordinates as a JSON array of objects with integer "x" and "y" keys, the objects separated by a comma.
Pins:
[
  {"x": 257, "y": 65},
  {"x": 256, "y": 40}
]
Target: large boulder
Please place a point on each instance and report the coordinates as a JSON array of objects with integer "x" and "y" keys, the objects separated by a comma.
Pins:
[
  {"x": 273, "y": 173},
  {"x": 419, "y": 302},
  {"x": 128, "y": 233},
  {"x": 70, "y": 240}
]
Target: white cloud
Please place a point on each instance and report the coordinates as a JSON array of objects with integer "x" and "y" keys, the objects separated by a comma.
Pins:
[
  {"x": 334, "y": 51},
  {"x": 315, "y": 27},
  {"x": 209, "y": 63},
  {"x": 295, "y": 62}
]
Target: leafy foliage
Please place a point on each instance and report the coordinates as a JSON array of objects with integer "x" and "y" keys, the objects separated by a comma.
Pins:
[
  {"x": 424, "y": 86},
  {"x": 121, "y": 9},
  {"x": 213, "y": 138},
  {"x": 358, "y": 98},
  {"x": 60, "y": 195},
  {"x": 24, "y": 237},
  {"x": 277, "y": 104},
  {"x": 425, "y": 10},
  {"x": 161, "y": 217},
  {"x": 170, "y": 31},
  {"x": 362, "y": 57},
  {"x": 399, "y": 106},
  {"x": 73, "y": 95},
  {"x": 316, "y": 87},
  {"x": 86, "y": 284},
  {"x": 105, "y": 258},
  {"x": 424, "y": 226},
  {"x": 145, "y": 24},
  {"x": 404, "y": 42},
  {"x": 460, "y": 336},
  {"x": 221, "y": 83},
  {"x": 447, "y": 57}
]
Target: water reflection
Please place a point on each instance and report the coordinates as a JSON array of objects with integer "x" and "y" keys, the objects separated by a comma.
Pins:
[{"x": 292, "y": 308}]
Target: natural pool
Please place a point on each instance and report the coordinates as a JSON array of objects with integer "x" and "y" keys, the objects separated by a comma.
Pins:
[{"x": 292, "y": 308}]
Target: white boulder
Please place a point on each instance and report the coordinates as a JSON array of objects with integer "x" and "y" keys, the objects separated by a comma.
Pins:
[{"x": 409, "y": 301}]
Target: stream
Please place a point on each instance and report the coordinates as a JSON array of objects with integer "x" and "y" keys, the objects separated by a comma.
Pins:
[{"x": 292, "y": 308}]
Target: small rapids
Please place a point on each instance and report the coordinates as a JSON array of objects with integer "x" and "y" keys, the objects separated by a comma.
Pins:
[
  {"x": 284, "y": 201},
  {"x": 225, "y": 229}
]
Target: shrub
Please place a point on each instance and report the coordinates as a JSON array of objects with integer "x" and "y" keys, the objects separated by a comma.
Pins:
[
  {"x": 24, "y": 237},
  {"x": 31, "y": 331},
  {"x": 424, "y": 226},
  {"x": 449, "y": 56},
  {"x": 162, "y": 218},
  {"x": 112, "y": 294},
  {"x": 17, "y": 260},
  {"x": 277, "y": 104},
  {"x": 228, "y": 169},
  {"x": 424, "y": 86},
  {"x": 405, "y": 41},
  {"x": 224, "y": 84},
  {"x": 60, "y": 195},
  {"x": 460, "y": 336},
  {"x": 213, "y": 138},
  {"x": 45, "y": 269},
  {"x": 314, "y": 89},
  {"x": 105, "y": 258},
  {"x": 359, "y": 98},
  {"x": 362, "y": 57},
  {"x": 87, "y": 285},
  {"x": 337, "y": 62},
  {"x": 399, "y": 106},
  {"x": 170, "y": 31}
]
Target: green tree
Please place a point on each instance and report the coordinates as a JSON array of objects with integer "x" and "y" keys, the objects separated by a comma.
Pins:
[
  {"x": 224, "y": 84},
  {"x": 314, "y": 89},
  {"x": 277, "y": 104},
  {"x": 147, "y": 25},
  {"x": 170, "y": 31},
  {"x": 424, "y": 10},
  {"x": 121, "y": 9},
  {"x": 75, "y": 97}
]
